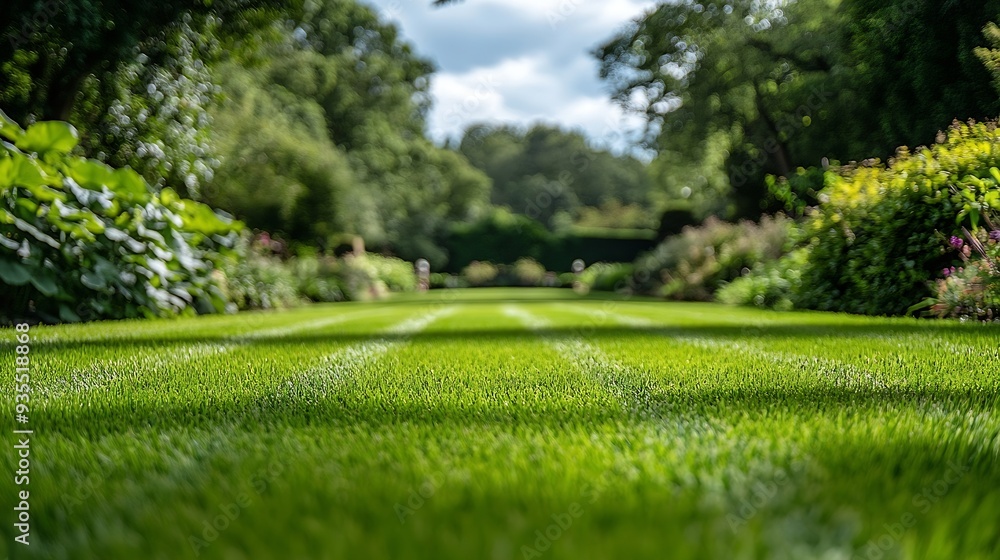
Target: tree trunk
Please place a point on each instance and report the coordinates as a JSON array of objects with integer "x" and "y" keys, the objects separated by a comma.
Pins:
[{"x": 780, "y": 156}]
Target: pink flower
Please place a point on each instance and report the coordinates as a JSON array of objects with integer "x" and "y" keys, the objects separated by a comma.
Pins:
[
  {"x": 995, "y": 235},
  {"x": 956, "y": 242}
]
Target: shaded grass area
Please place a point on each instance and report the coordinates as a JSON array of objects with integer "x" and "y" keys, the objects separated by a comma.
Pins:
[{"x": 514, "y": 424}]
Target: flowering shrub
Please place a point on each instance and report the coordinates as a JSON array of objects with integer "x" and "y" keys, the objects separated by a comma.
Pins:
[
  {"x": 528, "y": 272},
  {"x": 479, "y": 273},
  {"x": 696, "y": 263},
  {"x": 972, "y": 289},
  {"x": 873, "y": 244}
]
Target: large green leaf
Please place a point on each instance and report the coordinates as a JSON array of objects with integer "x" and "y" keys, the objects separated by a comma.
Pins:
[
  {"x": 9, "y": 129},
  {"x": 67, "y": 314},
  {"x": 29, "y": 208},
  {"x": 93, "y": 280},
  {"x": 48, "y": 136},
  {"x": 45, "y": 284},
  {"x": 14, "y": 273},
  {"x": 25, "y": 172},
  {"x": 6, "y": 174},
  {"x": 129, "y": 185},
  {"x": 91, "y": 174},
  {"x": 200, "y": 218}
]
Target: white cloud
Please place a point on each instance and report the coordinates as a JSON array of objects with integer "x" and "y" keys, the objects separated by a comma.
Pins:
[{"x": 518, "y": 61}]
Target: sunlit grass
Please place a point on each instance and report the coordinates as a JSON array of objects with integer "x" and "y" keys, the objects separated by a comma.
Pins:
[{"x": 458, "y": 425}]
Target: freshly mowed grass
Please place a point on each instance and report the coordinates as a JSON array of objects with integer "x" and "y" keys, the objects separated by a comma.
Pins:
[{"x": 512, "y": 424}]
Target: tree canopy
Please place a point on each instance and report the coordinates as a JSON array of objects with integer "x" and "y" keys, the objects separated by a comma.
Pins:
[
  {"x": 736, "y": 90},
  {"x": 552, "y": 175}
]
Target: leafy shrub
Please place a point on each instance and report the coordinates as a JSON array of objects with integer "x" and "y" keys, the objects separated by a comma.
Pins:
[
  {"x": 254, "y": 278},
  {"x": 479, "y": 274},
  {"x": 317, "y": 278},
  {"x": 528, "y": 272},
  {"x": 694, "y": 264},
  {"x": 873, "y": 245},
  {"x": 441, "y": 280},
  {"x": 397, "y": 274},
  {"x": 83, "y": 241},
  {"x": 798, "y": 190},
  {"x": 971, "y": 290},
  {"x": 612, "y": 213},
  {"x": 770, "y": 284},
  {"x": 606, "y": 277},
  {"x": 500, "y": 236},
  {"x": 368, "y": 276},
  {"x": 265, "y": 280}
]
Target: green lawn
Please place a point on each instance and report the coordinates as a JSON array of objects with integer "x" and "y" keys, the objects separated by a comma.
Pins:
[{"x": 495, "y": 424}]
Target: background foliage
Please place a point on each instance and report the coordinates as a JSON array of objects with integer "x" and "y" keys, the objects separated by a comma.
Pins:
[{"x": 82, "y": 240}]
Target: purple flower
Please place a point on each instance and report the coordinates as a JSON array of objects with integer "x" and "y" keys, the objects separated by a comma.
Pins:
[
  {"x": 995, "y": 235},
  {"x": 956, "y": 242},
  {"x": 948, "y": 271}
]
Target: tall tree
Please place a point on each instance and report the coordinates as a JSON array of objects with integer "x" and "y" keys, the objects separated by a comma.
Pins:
[
  {"x": 916, "y": 68},
  {"x": 744, "y": 78},
  {"x": 544, "y": 172},
  {"x": 341, "y": 89},
  {"x": 51, "y": 48},
  {"x": 736, "y": 90}
]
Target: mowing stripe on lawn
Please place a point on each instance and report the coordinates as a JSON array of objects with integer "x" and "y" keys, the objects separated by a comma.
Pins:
[
  {"x": 840, "y": 373},
  {"x": 317, "y": 381},
  {"x": 104, "y": 372},
  {"x": 625, "y": 384}
]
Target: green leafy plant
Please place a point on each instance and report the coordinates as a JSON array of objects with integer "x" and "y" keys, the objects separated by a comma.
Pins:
[
  {"x": 80, "y": 240},
  {"x": 696, "y": 263},
  {"x": 771, "y": 284},
  {"x": 353, "y": 277},
  {"x": 527, "y": 272},
  {"x": 253, "y": 277},
  {"x": 607, "y": 277},
  {"x": 970, "y": 290},
  {"x": 479, "y": 273},
  {"x": 874, "y": 239}
]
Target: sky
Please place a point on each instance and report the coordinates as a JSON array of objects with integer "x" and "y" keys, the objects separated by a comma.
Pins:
[{"x": 519, "y": 62}]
